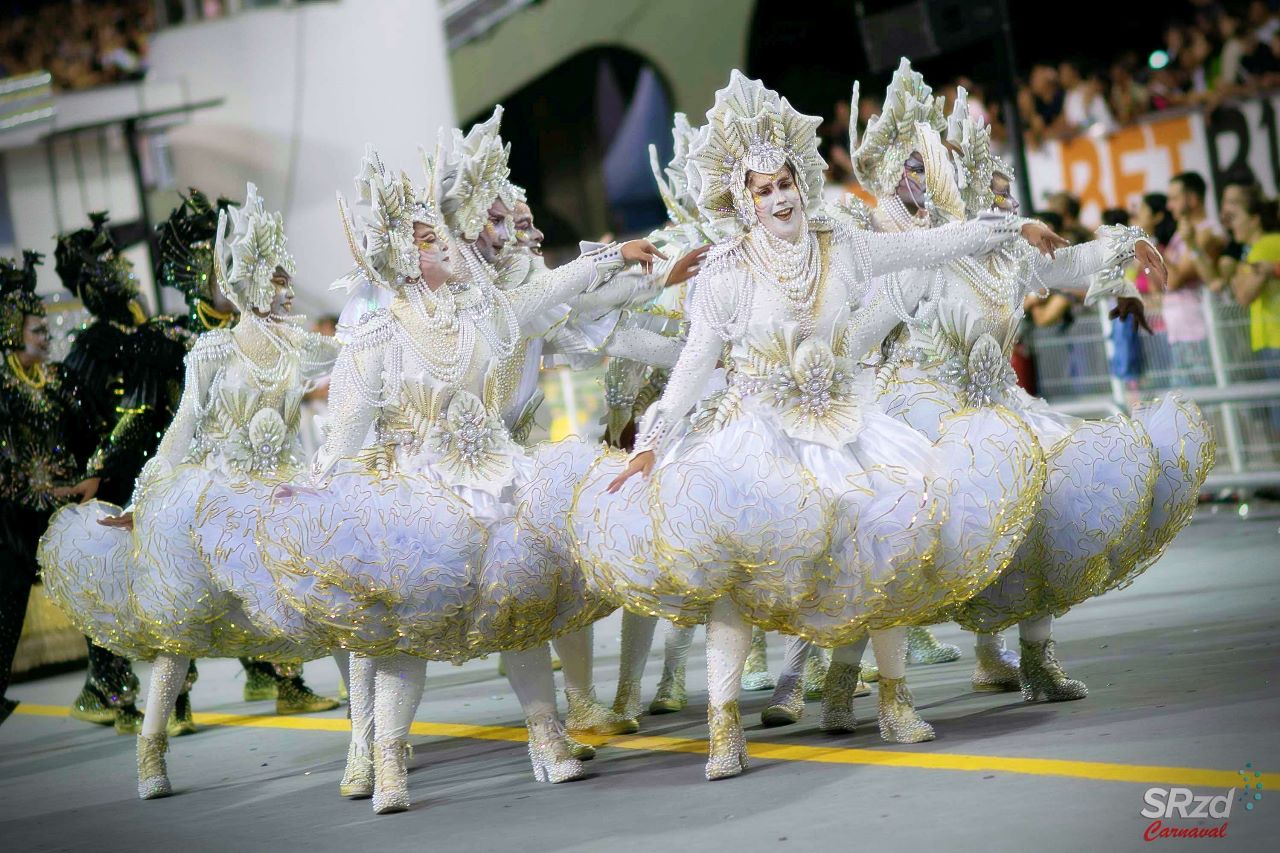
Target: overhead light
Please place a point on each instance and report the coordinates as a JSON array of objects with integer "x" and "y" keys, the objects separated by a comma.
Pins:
[{"x": 1158, "y": 59}]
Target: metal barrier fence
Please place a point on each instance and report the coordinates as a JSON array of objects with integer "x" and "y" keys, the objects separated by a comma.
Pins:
[{"x": 1231, "y": 387}]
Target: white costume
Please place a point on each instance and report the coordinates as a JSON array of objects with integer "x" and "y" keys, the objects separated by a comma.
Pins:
[
  {"x": 791, "y": 501},
  {"x": 158, "y": 593}
]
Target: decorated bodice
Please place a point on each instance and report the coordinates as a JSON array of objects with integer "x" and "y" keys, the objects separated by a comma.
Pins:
[
  {"x": 242, "y": 399},
  {"x": 777, "y": 317},
  {"x": 35, "y": 456}
]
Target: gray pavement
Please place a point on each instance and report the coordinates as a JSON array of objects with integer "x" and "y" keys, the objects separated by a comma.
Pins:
[{"x": 1182, "y": 669}]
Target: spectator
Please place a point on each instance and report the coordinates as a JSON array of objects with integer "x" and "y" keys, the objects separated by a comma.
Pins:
[
  {"x": 1240, "y": 193},
  {"x": 1181, "y": 308},
  {"x": 1067, "y": 208},
  {"x": 1257, "y": 285},
  {"x": 1041, "y": 103},
  {"x": 1126, "y": 345},
  {"x": 1084, "y": 107},
  {"x": 1129, "y": 98}
]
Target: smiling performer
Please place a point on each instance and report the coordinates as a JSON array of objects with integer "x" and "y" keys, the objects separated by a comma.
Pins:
[
  {"x": 790, "y": 501},
  {"x": 139, "y": 581},
  {"x": 1118, "y": 489}
]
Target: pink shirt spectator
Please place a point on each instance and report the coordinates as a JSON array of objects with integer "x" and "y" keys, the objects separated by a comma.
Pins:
[{"x": 1183, "y": 311}]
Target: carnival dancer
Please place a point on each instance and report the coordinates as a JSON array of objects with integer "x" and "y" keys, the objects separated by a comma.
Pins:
[
  {"x": 791, "y": 501},
  {"x": 139, "y": 580}
]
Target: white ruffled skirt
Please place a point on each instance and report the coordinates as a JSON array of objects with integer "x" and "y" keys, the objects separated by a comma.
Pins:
[
  {"x": 823, "y": 542},
  {"x": 153, "y": 590},
  {"x": 406, "y": 562},
  {"x": 1117, "y": 490}
]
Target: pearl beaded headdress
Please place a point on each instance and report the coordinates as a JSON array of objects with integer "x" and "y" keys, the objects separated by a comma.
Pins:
[
  {"x": 752, "y": 129},
  {"x": 254, "y": 242},
  {"x": 978, "y": 163},
  {"x": 891, "y": 137},
  {"x": 475, "y": 172},
  {"x": 942, "y": 197},
  {"x": 673, "y": 184},
  {"x": 384, "y": 251}
]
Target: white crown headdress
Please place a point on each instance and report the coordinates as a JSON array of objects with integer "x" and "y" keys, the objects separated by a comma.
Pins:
[
  {"x": 752, "y": 129},
  {"x": 978, "y": 162},
  {"x": 942, "y": 199},
  {"x": 254, "y": 243},
  {"x": 673, "y": 184},
  {"x": 382, "y": 245},
  {"x": 475, "y": 172},
  {"x": 891, "y": 137}
]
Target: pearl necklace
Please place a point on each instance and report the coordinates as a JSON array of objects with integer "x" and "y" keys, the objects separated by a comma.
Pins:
[{"x": 272, "y": 349}]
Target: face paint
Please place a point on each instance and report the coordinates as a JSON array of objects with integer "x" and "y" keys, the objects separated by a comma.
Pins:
[
  {"x": 495, "y": 233},
  {"x": 434, "y": 262},
  {"x": 779, "y": 207}
]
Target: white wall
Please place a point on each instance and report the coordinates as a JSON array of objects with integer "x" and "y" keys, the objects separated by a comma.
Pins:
[{"x": 306, "y": 87}]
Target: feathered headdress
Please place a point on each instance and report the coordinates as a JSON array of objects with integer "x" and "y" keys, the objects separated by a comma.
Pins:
[
  {"x": 92, "y": 269},
  {"x": 752, "y": 129},
  {"x": 890, "y": 138},
  {"x": 475, "y": 172},
  {"x": 254, "y": 242},
  {"x": 18, "y": 297},
  {"x": 673, "y": 184},
  {"x": 186, "y": 241}
]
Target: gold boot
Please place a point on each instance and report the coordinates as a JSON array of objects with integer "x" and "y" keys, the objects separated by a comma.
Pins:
[
  {"x": 837, "y": 698},
  {"x": 549, "y": 751},
  {"x": 671, "y": 696},
  {"x": 153, "y": 776},
  {"x": 899, "y": 722},
  {"x": 579, "y": 750},
  {"x": 357, "y": 777},
  {"x": 996, "y": 670},
  {"x": 786, "y": 706},
  {"x": 728, "y": 743},
  {"x": 259, "y": 681},
  {"x": 589, "y": 716},
  {"x": 755, "y": 674},
  {"x": 923, "y": 648},
  {"x": 815, "y": 672},
  {"x": 128, "y": 720},
  {"x": 390, "y": 775},
  {"x": 293, "y": 696},
  {"x": 181, "y": 721},
  {"x": 626, "y": 702},
  {"x": 1042, "y": 677},
  {"x": 91, "y": 707}
]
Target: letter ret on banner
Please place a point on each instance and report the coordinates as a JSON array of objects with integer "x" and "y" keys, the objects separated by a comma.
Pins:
[{"x": 1116, "y": 169}]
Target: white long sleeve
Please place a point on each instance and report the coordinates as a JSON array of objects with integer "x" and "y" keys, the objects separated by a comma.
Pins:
[
  {"x": 872, "y": 321},
  {"x": 546, "y": 288},
  {"x": 355, "y": 394},
  {"x": 645, "y": 346},
  {"x": 870, "y": 254},
  {"x": 692, "y": 369},
  {"x": 207, "y": 357}
]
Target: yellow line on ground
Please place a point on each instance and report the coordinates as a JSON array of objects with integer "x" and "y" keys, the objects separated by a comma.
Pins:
[{"x": 1095, "y": 770}]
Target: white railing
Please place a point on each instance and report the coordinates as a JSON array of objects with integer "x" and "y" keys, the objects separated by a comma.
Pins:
[{"x": 1232, "y": 388}]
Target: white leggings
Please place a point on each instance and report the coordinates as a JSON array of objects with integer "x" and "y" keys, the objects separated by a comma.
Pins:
[
  {"x": 530, "y": 675},
  {"x": 890, "y": 647},
  {"x": 576, "y": 659},
  {"x": 637, "y": 640},
  {"x": 398, "y": 681},
  {"x": 168, "y": 675},
  {"x": 1036, "y": 630},
  {"x": 728, "y": 644}
]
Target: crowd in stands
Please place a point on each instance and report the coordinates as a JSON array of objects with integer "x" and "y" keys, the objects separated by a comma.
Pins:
[{"x": 81, "y": 44}]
